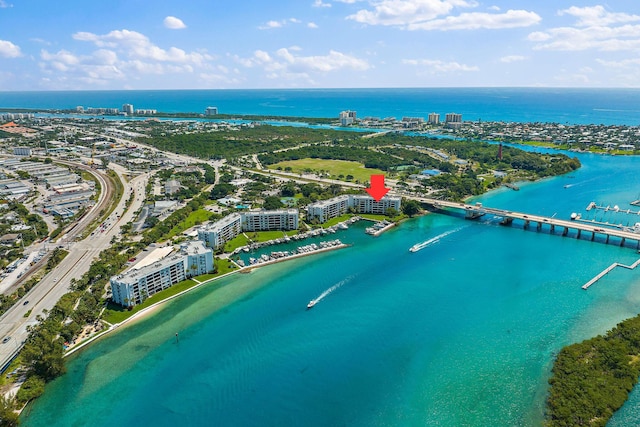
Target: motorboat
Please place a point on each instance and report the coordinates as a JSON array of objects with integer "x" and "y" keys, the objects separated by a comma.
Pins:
[{"x": 311, "y": 304}]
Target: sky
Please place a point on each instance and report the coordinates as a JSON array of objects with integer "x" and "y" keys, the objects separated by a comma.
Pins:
[{"x": 242, "y": 44}]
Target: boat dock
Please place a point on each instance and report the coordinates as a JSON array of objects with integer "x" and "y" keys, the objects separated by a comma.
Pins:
[
  {"x": 607, "y": 271},
  {"x": 609, "y": 208}
]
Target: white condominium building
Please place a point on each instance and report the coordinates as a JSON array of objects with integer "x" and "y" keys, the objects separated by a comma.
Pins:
[
  {"x": 285, "y": 219},
  {"x": 135, "y": 285},
  {"x": 367, "y": 204},
  {"x": 361, "y": 203},
  {"x": 221, "y": 231},
  {"x": 327, "y": 209},
  {"x": 216, "y": 234}
]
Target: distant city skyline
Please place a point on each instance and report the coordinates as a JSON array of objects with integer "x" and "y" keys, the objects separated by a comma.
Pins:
[{"x": 317, "y": 44}]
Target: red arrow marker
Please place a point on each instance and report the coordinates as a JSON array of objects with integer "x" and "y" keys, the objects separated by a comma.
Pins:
[{"x": 377, "y": 189}]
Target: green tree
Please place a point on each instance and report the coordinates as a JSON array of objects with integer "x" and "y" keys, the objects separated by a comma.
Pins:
[
  {"x": 221, "y": 190},
  {"x": 8, "y": 417},
  {"x": 43, "y": 353},
  {"x": 410, "y": 207},
  {"x": 272, "y": 202},
  {"x": 32, "y": 388}
]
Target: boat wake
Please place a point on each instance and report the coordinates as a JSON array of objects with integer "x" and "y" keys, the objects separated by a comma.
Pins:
[
  {"x": 328, "y": 291},
  {"x": 433, "y": 240}
]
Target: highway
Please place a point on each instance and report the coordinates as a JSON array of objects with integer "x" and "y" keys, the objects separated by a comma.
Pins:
[{"x": 43, "y": 297}]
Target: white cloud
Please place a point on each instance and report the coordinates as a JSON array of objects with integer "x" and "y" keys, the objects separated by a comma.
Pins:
[
  {"x": 121, "y": 55},
  {"x": 595, "y": 28},
  {"x": 312, "y": 25},
  {"x": 4, "y": 4},
  {"x": 271, "y": 24},
  {"x": 407, "y": 12},
  {"x": 137, "y": 45},
  {"x": 625, "y": 63},
  {"x": 287, "y": 63},
  {"x": 625, "y": 37},
  {"x": 320, "y": 3},
  {"x": 597, "y": 16},
  {"x": 512, "y": 58},
  {"x": 480, "y": 20},
  {"x": 174, "y": 23},
  {"x": 9, "y": 50},
  {"x": 437, "y": 66},
  {"x": 437, "y": 15}
]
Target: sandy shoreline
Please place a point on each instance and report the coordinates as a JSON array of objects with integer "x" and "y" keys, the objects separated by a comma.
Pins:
[{"x": 152, "y": 309}]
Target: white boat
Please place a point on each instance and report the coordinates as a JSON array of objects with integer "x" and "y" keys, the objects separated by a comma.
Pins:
[
  {"x": 311, "y": 304},
  {"x": 418, "y": 246}
]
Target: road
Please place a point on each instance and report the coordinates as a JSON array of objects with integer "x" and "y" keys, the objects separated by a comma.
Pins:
[{"x": 54, "y": 285}]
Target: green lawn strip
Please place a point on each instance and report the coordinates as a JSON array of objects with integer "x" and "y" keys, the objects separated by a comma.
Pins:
[
  {"x": 116, "y": 314},
  {"x": 336, "y": 220},
  {"x": 235, "y": 243},
  {"x": 264, "y": 236},
  {"x": 335, "y": 168}
]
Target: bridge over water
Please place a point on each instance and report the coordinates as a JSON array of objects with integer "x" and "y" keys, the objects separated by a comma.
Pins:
[{"x": 590, "y": 231}]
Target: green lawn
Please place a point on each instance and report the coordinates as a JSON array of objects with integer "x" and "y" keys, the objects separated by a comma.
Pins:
[
  {"x": 116, "y": 314},
  {"x": 336, "y": 220},
  {"x": 235, "y": 243},
  {"x": 334, "y": 167},
  {"x": 264, "y": 236}
]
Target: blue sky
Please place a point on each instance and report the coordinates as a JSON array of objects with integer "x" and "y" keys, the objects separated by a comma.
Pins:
[{"x": 199, "y": 44}]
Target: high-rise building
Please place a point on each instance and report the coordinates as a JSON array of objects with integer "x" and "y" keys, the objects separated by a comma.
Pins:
[
  {"x": 211, "y": 111},
  {"x": 453, "y": 118},
  {"x": 434, "y": 119},
  {"x": 127, "y": 108},
  {"x": 347, "y": 118}
]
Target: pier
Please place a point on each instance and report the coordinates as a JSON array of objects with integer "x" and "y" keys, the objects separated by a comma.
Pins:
[
  {"x": 607, "y": 271},
  {"x": 610, "y": 235}
]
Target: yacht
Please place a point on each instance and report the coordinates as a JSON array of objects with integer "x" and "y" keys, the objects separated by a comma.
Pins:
[{"x": 311, "y": 304}]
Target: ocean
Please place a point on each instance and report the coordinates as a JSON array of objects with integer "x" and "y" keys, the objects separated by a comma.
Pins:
[
  {"x": 461, "y": 333},
  {"x": 573, "y": 106}
]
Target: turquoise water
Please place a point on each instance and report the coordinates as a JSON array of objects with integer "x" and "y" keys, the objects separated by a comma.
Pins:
[
  {"x": 461, "y": 333},
  {"x": 558, "y": 105}
]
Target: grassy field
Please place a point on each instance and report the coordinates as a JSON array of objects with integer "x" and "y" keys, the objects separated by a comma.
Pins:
[
  {"x": 195, "y": 218},
  {"x": 334, "y": 167}
]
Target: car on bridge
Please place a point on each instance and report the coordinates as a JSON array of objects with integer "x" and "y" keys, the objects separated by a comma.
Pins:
[{"x": 6, "y": 340}]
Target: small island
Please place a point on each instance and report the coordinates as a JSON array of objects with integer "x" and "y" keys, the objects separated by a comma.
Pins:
[{"x": 592, "y": 379}]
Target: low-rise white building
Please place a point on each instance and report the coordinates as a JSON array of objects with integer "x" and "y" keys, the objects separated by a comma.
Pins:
[
  {"x": 218, "y": 233},
  {"x": 327, "y": 209},
  {"x": 361, "y": 203},
  {"x": 285, "y": 219}
]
